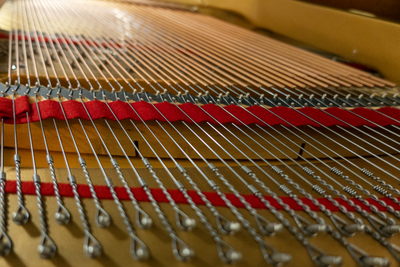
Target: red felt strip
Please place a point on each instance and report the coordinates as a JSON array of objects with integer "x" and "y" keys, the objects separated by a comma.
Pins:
[
  {"x": 103, "y": 192},
  {"x": 98, "y": 109}
]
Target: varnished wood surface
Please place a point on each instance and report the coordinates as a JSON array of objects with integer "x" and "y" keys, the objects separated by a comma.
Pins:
[
  {"x": 370, "y": 41},
  {"x": 23, "y": 141},
  {"x": 387, "y": 9},
  {"x": 69, "y": 239}
]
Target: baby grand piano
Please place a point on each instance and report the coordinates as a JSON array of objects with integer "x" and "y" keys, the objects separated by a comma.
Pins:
[{"x": 199, "y": 133}]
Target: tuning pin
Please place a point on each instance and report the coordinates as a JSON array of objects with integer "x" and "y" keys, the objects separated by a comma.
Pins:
[
  {"x": 91, "y": 246},
  {"x": 394, "y": 251},
  {"x": 272, "y": 256},
  {"x": 307, "y": 228},
  {"x": 383, "y": 228},
  {"x": 233, "y": 256},
  {"x": 184, "y": 222},
  {"x": 139, "y": 250},
  {"x": 391, "y": 229},
  {"x": 363, "y": 259},
  {"x": 315, "y": 228},
  {"x": 62, "y": 215},
  {"x": 345, "y": 228},
  {"x": 321, "y": 259},
  {"x": 189, "y": 223},
  {"x": 376, "y": 261},
  {"x": 5, "y": 244},
  {"x": 47, "y": 249},
  {"x": 232, "y": 227},
  {"x": 353, "y": 228},
  {"x": 328, "y": 260},
  {"x": 146, "y": 222},
  {"x": 142, "y": 254},
  {"x": 227, "y": 227},
  {"x": 187, "y": 252},
  {"x": 226, "y": 253},
  {"x": 21, "y": 216},
  {"x": 46, "y": 252},
  {"x": 266, "y": 227},
  {"x": 181, "y": 250},
  {"x": 281, "y": 258},
  {"x": 273, "y": 228},
  {"x": 102, "y": 218},
  {"x": 143, "y": 220}
]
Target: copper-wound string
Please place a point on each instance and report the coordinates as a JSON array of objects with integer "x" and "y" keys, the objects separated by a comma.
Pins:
[
  {"x": 192, "y": 55},
  {"x": 177, "y": 27}
]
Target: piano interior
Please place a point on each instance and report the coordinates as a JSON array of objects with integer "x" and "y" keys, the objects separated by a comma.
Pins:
[{"x": 199, "y": 133}]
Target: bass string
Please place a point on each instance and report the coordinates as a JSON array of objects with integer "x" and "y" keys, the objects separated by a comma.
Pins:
[{"x": 176, "y": 31}]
